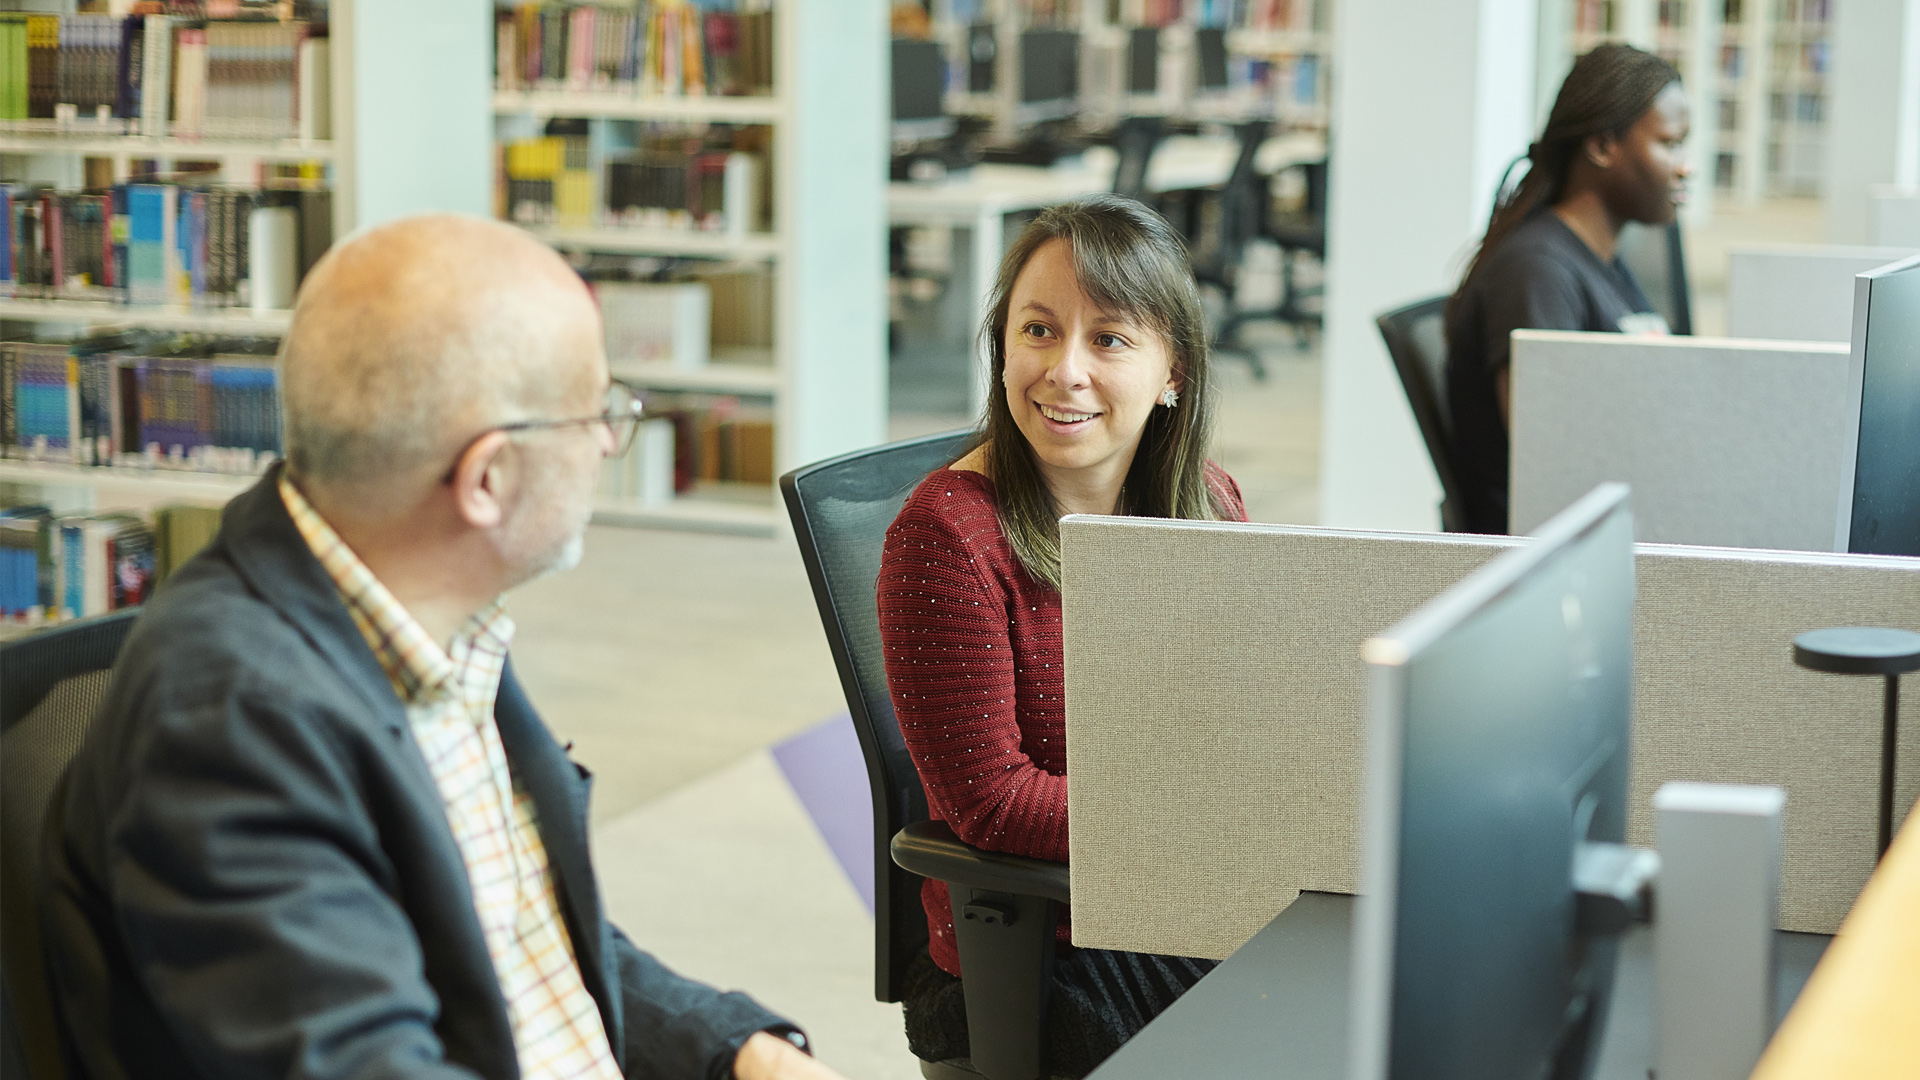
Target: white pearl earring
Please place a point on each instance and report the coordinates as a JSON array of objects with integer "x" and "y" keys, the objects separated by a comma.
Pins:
[{"x": 1169, "y": 399}]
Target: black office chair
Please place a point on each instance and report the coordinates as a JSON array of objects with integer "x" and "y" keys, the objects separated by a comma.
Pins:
[
  {"x": 1136, "y": 139},
  {"x": 1656, "y": 256},
  {"x": 50, "y": 685},
  {"x": 1416, "y": 337},
  {"x": 1005, "y": 907},
  {"x": 1238, "y": 213}
]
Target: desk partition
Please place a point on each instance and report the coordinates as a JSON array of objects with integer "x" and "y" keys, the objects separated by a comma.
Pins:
[
  {"x": 1215, "y": 697},
  {"x": 1724, "y": 441},
  {"x": 1798, "y": 292}
]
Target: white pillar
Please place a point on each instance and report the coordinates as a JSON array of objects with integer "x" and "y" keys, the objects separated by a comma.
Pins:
[
  {"x": 1701, "y": 69},
  {"x": 1755, "y": 112},
  {"x": 1430, "y": 102},
  {"x": 1637, "y": 22},
  {"x": 412, "y": 109},
  {"x": 1873, "y": 108},
  {"x": 1553, "y": 56}
]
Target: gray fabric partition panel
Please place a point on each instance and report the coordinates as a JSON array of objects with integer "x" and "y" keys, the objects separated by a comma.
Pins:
[
  {"x": 1215, "y": 702},
  {"x": 1740, "y": 443},
  {"x": 1797, "y": 292}
]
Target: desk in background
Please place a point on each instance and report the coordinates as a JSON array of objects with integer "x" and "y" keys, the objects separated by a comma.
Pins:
[{"x": 979, "y": 199}]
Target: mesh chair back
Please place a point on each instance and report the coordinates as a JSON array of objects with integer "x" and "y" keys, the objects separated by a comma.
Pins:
[
  {"x": 1241, "y": 202},
  {"x": 1657, "y": 258},
  {"x": 1136, "y": 139},
  {"x": 50, "y": 686},
  {"x": 1416, "y": 337},
  {"x": 841, "y": 509}
]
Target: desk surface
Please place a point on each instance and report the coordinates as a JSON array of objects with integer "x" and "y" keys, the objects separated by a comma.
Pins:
[
  {"x": 1277, "y": 1008},
  {"x": 1181, "y": 162}
]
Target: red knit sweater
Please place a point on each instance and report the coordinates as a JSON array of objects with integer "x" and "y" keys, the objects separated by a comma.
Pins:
[{"x": 973, "y": 654}]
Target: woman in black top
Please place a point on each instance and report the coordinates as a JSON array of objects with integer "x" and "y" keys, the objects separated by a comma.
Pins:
[{"x": 1610, "y": 154}]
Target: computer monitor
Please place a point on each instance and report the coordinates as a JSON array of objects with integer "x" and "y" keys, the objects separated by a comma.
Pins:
[
  {"x": 983, "y": 55},
  {"x": 1143, "y": 60},
  {"x": 1049, "y": 75},
  {"x": 1885, "y": 517},
  {"x": 1498, "y": 727},
  {"x": 919, "y": 86},
  {"x": 1210, "y": 47}
]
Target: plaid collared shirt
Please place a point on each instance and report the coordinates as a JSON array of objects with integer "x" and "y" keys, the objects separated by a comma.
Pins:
[{"x": 449, "y": 695}]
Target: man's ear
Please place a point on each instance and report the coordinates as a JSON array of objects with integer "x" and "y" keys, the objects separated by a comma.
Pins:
[{"x": 478, "y": 478}]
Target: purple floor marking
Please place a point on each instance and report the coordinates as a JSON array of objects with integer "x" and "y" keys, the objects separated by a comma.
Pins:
[{"x": 824, "y": 766}]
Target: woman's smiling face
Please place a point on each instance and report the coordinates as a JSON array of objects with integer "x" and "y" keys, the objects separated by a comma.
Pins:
[{"x": 1080, "y": 382}]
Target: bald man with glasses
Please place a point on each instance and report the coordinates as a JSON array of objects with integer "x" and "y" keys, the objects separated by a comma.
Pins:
[{"x": 318, "y": 830}]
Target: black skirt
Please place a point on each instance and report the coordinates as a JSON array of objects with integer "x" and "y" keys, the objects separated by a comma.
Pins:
[{"x": 1100, "y": 1000}]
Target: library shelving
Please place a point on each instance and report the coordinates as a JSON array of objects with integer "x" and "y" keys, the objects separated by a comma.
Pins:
[
  {"x": 808, "y": 109},
  {"x": 193, "y": 320},
  {"x": 15, "y": 138},
  {"x": 639, "y": 241},
  {"x": 120, "y": 483},
  {"x": 610, "y": 105}
]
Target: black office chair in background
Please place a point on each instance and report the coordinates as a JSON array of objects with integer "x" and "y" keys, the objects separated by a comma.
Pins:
[
  {"x": 1006, "y": 907},
  {"x": 1237, "y": 212},
  {"x": 1136, "y": 138},
  {"x": 1656, "y": 256},
  {"x": 50, "y": 686},
  {"x": 1416, "y": 337},
  {"x": 1301, "y": 232}
]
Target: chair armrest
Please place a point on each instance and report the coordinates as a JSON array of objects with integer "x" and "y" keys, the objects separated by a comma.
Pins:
[{"x": 929, "y": 849}]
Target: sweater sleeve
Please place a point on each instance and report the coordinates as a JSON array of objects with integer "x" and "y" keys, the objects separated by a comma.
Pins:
[{"x": 950, "y": 670}]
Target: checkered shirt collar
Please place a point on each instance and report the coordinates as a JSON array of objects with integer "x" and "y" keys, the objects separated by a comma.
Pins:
[{"x": 419, "y": 668}]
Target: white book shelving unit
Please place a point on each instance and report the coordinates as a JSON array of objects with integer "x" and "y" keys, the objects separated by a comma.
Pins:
[
  {"x": 54, "y": 151},
  {"x": 825, "y": 372}
]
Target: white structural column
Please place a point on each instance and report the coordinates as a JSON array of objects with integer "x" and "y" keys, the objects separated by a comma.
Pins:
[
  {"x": 1705, "y": 36},
  {"x": 415, "y": 115},
  {"x": 831, "y": 163},
  {"x": 1873, "y": 108},
  {"x": 1431, "y": 101},
  {"x": 1553, "y": 55}
]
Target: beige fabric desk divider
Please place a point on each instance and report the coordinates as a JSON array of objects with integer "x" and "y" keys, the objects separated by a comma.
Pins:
[
  {"x": 1724, "y": 441},
  {"x": 1215, "y": 698},
  {"x": 1797, "y": 292}
]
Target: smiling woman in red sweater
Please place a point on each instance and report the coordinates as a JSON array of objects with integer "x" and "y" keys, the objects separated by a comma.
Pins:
[{"x": 1099, "y": 404}]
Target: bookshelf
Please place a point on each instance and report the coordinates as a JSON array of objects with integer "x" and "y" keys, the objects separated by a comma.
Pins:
[
  {"x": 102, "y": 313},
  {"x": 822, "y": 126}
]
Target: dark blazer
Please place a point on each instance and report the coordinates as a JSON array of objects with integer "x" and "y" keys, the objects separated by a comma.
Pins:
[{"x": 250, "y": 872}]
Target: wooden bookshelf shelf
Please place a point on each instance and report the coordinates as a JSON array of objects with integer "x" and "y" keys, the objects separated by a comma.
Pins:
[
  {"x": 207, "y": 320},
  {"x": 661, "y": 242},
  {"x": 730, "y": 373},
  {"x": 693, "y": 513},
  {"x": 613, "y": 105},
  {"x": 15, "y": 140},
  {"x": 179, "y": 484}
]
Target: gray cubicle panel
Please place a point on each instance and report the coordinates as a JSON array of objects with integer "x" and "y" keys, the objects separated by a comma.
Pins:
[
  {"x": 1730, "y": 442},
  {"x": 1893, "y": 216},
  {"x": 1798, "y": 292},
  {"x": 1215, "y": 697}
]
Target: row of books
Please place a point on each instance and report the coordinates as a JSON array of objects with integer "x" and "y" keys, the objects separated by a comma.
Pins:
[
  {"x": 108, "y": 401},
  {"x": 666, "y": 47},
  {"x": 715, "y": 438},
  {"x": 1261, "y": 16},
  {"x": 162, "y": 243},
  {"x": 673, "y": 181},
  {"x": 55, "y": 567},
  {"x": 157, "y": 74}
]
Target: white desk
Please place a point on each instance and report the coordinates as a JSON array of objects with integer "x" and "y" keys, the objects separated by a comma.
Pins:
[{"x": 979, "y": 199}]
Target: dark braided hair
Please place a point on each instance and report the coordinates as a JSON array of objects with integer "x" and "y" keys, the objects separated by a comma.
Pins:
[{"x": 1606, "y": 92}]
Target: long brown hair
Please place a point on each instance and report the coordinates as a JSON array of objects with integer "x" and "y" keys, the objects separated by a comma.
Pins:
[
  {"x": 1606, "y": 92},
  {"x": 1130, "y": 262}
]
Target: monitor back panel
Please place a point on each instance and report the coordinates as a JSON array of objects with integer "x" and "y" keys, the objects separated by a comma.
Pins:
[
  {"x": 1725, "y": 442},
  {"x": 1885, "y": 515},
  {"x": 1215, "y": 703},
  {"x": 1797, "y": 292}
]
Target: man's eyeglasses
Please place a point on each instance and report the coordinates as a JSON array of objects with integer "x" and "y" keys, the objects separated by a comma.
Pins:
[{"x": 621, "y": 418}]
